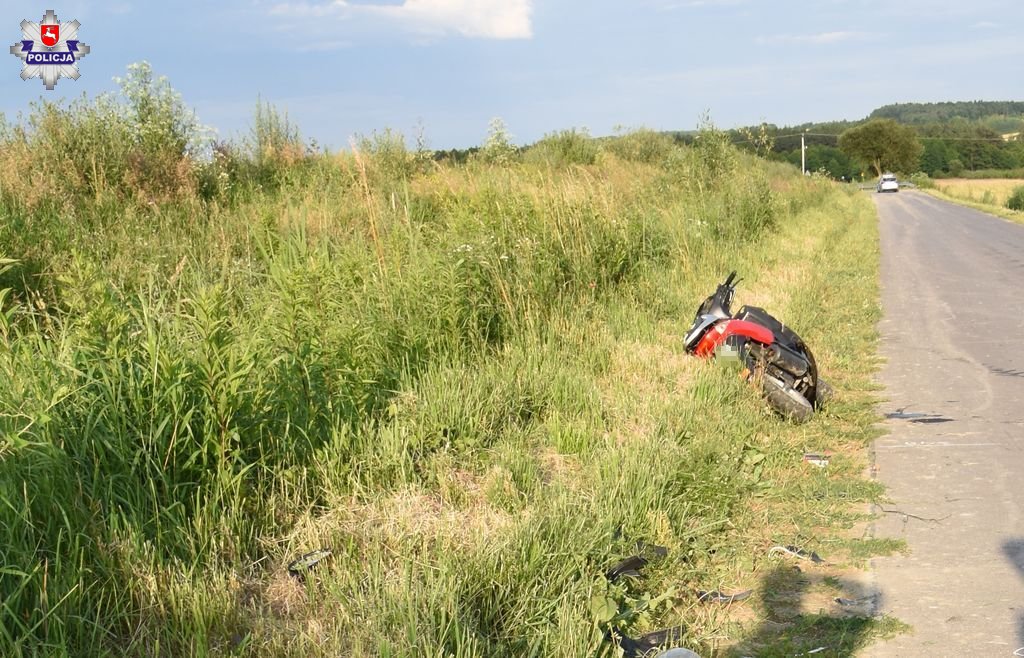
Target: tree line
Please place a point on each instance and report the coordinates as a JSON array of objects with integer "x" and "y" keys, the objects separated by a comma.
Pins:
[
  {"x": 927, "y": 113},
  {"x": 954, "y": 138}
]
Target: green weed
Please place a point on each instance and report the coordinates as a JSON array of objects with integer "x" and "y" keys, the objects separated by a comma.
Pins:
[{"x": 467, "y": 381}]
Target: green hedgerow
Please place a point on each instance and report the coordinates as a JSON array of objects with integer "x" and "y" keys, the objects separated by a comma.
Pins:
[{"x": 1016, "y": 200}]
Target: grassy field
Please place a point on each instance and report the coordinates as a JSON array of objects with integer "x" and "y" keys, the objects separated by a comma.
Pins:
[
  {"x": 991, "y": 191},
  {"x": 986, "y": 195},
  {"x": 466, "y": 381}
]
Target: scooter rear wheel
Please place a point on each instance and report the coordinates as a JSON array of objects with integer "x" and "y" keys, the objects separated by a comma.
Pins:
[
  {"x": 824, "y": 393},
  {"x": 786, "y": 400}
]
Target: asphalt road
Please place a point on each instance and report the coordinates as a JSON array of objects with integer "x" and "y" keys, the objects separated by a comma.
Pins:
[{"x": 953, "y": 458}]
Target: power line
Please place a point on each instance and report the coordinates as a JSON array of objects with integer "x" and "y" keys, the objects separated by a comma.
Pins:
[
  {"x": 967, "y": 139},
  {"x": 992, "y": 140},
  {"x": 778, "y": 137}
]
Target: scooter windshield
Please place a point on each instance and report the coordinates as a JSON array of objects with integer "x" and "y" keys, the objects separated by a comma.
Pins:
[{"x": 718, "y": 304}]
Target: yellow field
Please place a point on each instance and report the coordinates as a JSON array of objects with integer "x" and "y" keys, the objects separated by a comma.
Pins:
[{"x": 993, "y": 191}]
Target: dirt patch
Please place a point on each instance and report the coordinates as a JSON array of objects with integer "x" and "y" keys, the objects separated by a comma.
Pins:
[
  {"x": 411, "y": 520},
  {"x": 284, "y": 595},
  {"x": 557, "y": 467}
]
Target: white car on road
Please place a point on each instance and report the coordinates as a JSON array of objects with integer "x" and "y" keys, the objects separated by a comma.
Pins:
[{"x": 888, "y": 183}]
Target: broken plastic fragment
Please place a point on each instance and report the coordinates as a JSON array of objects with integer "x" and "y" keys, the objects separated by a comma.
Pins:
[
  {"x": 917, "y": 417},
  {"x": 632, "y": 565},
  {"x": 714, "y": 596},
  {"x": 302, "y": 564},
  {"x": 642, "y": 645},
  {"x": 629, "y": 566},
  {"x": 818, "y": 459},
  {"x": 796, "y": 552}
]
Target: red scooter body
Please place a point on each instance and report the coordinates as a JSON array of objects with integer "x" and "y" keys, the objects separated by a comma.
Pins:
[
  {"x": 772, "y": 353},
  {"x": 727, "y": 328}
]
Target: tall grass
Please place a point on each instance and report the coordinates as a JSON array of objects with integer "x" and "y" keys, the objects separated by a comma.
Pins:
[
  {"x": 1001, "y": 197},
  {"x": 465, "y": 380}
]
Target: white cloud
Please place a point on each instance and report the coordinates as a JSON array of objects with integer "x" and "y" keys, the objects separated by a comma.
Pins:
[
  {"x": 984, "y": 25},
  {"x": 819, "y": 39},
  {"x": 485, "y": 19}
]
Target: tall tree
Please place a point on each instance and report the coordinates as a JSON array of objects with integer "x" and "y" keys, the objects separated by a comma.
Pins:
[
  {"x": 883, "y": 144},
  {"x": 936, "y": 157}
]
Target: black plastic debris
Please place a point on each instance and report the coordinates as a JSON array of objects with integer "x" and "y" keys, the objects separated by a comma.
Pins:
[
  {"x": 902, "y": 414},
  {"x": 715, "y": 596},
  {"x": 629, "y": 566},
  {"x": 632, "y": 565},
  {"x": 1007, "y": 372},
  {"x": 917, "y": 417},
  {"x": 641, "y": 646},
  {"x": 301, "y": 565},
  {"x": 797, "y": 552}
]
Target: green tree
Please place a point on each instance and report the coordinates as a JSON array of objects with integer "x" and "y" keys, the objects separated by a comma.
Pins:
[
  {"x": 883, "y": 144},
  {"x": 935, "y": 158}
]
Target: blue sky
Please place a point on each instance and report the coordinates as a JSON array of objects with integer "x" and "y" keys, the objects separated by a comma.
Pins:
[{"x": 345, "y": 67}]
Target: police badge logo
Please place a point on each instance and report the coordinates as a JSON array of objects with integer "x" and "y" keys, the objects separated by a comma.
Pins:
[
  {"x": 49, "y": 50},
  {"x": 49, "y": 35}
]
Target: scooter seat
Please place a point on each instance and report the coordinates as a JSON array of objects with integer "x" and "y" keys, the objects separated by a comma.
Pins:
[{"x": 762, "y": 317}]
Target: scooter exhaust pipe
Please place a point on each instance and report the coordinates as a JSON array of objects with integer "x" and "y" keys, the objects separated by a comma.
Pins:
[{"x": 788, "y": 360}]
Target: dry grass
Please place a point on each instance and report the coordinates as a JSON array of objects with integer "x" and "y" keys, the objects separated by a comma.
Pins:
[
  {"x": 642, "y": 378},
  {"x": 412, "y": 520},
  {"x": 998, "y": 190}
]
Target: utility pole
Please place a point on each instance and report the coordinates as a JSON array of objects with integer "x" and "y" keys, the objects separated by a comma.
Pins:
[{"x": 803, "y": 154}]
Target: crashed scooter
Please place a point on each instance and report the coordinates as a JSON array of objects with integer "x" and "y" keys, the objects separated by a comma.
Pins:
[{"x": 774, "y": 357}]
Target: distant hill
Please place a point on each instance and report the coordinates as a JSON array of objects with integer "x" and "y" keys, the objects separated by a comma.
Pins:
[
  {"x": 958, "y": 136},
  {"x": 922, "y": 113}
]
